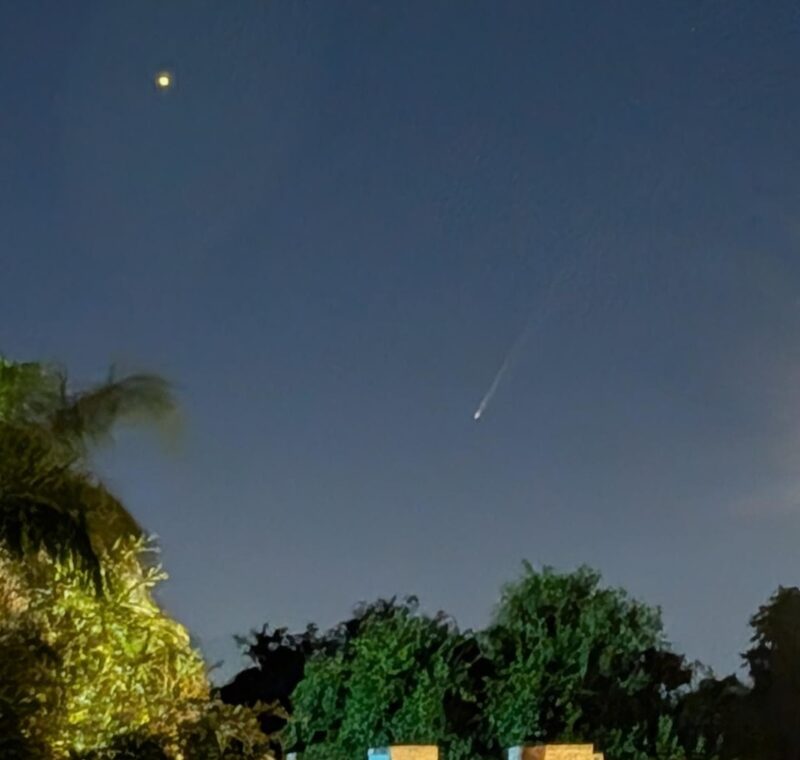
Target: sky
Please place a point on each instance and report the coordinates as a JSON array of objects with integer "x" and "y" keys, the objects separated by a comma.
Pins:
[{"x": 330, "y": 232}]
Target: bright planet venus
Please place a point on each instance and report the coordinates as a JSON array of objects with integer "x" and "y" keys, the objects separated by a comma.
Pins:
[{"x": 163, "y": 80}]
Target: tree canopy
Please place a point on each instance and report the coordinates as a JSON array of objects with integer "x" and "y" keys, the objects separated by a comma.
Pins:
[
  {"x": 576, "y": 661},
  {"x": 563, "y": 659},
  {"x": 92, "y": 670},
  {"x": 388, "y": 675}
]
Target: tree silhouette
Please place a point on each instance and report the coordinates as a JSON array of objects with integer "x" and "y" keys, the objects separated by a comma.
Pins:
[{"x": 774, "y": 661}]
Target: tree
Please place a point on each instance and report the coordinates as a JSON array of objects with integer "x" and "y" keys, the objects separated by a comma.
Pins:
[
  {"x": 279, "y": 659},
  {"x": 388, "y": 675},
  {"x": 33, "y": 393},
  {"x": 774, "y": 662},
  {"x": 714, "y": 718},
  {"x": 577, "y": 662},
  {"x": 48, "y": 498},
  {"x": 760, "y": 719},
  {"x": 87, "y": 674}
]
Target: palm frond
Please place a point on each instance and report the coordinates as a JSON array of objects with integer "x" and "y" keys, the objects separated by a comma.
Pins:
[
  {"x": 90, "y": 415},
  {"x": 49, "y": 501}
]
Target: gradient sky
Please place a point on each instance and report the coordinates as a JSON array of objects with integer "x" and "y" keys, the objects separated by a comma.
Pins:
[{"x": 329, "y": 233}]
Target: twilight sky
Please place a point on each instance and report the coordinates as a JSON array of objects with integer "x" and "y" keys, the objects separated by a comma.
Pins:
[{"x": 332, "y": 230}]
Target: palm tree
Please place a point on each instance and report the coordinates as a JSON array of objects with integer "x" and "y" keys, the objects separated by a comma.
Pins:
[{"x": 49, "y": 499}]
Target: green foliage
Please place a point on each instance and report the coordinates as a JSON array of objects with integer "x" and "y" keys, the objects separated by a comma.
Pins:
[
  {"x": 564, "y": 660},
  {"x": 83, "y": 668},
  {"x": 27, "y": 390},
  {"x": 389, "y": 676},
  {"x": 577, "y": 662},
  {"x": 89, "y": 675}
]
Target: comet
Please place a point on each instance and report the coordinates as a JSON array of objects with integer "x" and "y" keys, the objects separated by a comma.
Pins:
[
  {"x": 495, "y": 384},
  {"x": 534, "y": 322}
]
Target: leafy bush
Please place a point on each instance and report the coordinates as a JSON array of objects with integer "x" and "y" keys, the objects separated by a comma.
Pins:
[
  {"x": 577, "y": 662},
  {"x": 390, "y": 675},
  {"x": 82, "y": 667},
  {"x": 79, "y": 670}
]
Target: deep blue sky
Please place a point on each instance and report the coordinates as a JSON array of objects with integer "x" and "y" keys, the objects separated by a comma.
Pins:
[{"x": 331, "y": 231}]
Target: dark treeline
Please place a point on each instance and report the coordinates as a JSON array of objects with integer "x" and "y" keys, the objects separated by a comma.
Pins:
[{"x": 563, "y": 659}]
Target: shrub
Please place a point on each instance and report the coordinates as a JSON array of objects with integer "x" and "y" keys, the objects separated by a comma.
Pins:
[{"x": 79, "y": 670}]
